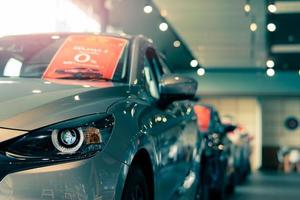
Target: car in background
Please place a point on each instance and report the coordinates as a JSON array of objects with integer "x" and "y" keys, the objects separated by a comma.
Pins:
[
  {"x": 241, "y": 140},
  {"x": 87, "y": 116},
  {"x": 217, "y": 161}
]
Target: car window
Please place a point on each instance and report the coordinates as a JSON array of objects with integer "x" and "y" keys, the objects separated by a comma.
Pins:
[
  {"x": 216, "y": 122},
  {"x": 157, "y": 67},
  {"x": 75, "y": 57},
  {"x": 151, "y": 78},
  {"x": 151, "y": 83},
  {"x": 165, "y": 66}
]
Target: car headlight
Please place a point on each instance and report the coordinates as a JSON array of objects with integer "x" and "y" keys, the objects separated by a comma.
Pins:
[{"x": 77, "y": 138}]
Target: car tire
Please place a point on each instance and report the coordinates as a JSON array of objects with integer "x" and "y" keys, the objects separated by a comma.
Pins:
[
  {"x": 230, "y": 188},
  {"x": 248, "y": 170},
  {"x": 202, "y": 192},
  {"x": 136, "y": 187},
  {"x": 205, "y": 191},
  {"x": 217, "y": 194}
]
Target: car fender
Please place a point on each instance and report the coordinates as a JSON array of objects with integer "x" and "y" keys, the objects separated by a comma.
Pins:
[{"x": 139, "y": 142}]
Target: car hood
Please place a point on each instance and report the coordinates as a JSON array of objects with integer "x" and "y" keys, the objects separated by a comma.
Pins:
[{"x": 28, "y": 104}]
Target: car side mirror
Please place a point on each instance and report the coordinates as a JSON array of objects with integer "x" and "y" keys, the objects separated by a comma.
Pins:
[
  {"x": 228, "y": 128},
  {"x": 176, "y": 87}
]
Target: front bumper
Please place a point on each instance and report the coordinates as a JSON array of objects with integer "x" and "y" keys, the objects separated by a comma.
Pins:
[{"x": 95, "y": 178}]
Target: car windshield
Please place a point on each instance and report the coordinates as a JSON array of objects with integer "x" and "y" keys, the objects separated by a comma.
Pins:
[{"x": 75, "y": 57}]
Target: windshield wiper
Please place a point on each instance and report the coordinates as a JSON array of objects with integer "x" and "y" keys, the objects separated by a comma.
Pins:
[
  {"x": 82, "y": 73},
  {"x": 86, "y": 78}
]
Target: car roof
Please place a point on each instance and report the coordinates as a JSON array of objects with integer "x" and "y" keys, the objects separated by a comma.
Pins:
[
  {"x": 121, "y": 35},
  {"x": 209, "y": 106},
  {"x": 64, "y": 34},
  {"x": 131, "y": 38}
]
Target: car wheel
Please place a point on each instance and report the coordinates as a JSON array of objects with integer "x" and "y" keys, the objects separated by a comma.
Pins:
[
  {"x": 248, "y": 171},
  {"x": 204, "y": 193},
  {"x": 203, "y": 189},
  {"x": 217, "y": 194},
  {"x": 136, "y": 187},
  {"x": 230, "y": 188}
]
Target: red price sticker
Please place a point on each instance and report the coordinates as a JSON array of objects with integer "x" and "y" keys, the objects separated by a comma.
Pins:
[
  {"x": 87, "y": 56},
  {"x": 203, "y": 117}
]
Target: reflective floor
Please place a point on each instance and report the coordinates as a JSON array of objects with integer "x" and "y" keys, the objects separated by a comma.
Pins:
[{"x": 269, "y": 186}]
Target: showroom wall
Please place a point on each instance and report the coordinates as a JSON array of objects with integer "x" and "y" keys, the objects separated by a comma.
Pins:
[
  {"x": 275, "y": 112},
  {"x": 275, "y": 134},
  {"x": 246, "y": 111},
  {"x": 264, "y": 118}
]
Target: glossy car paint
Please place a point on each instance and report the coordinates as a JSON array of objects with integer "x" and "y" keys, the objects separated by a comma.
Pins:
[
  {"x": 25, "y": 109},
  {"x": 168, "y": 137},
  {"x": 218, "y": 173}
]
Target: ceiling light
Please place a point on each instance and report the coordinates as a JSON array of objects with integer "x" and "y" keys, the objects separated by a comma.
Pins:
[
  {"x": 253, "y": 27},
  {"x": 177, "y": 43},
  {"x": 163, "y": 26},
  {"x": 194, "y": 63},
  {"x": 299, "y": 72},
  {"x": 270, "y": 63},
  {"x": 270, "y": 72},
  {"x": 271, "y": 27},
  {"x": 201, "y": 71},
  {"x": 247, "y": 8},
  {"x": 272, "y": 8},
  {"x": 148, "y": 9}
]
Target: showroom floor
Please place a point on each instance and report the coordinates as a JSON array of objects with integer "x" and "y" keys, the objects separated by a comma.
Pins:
[{"x": 269, "y": 186}]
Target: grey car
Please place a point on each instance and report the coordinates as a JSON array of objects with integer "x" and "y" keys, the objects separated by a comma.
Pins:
[{"x": 86, "y": 116}]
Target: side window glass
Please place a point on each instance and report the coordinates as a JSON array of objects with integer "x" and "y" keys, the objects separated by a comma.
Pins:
[
  {"x": 151, "y": 83},
  {"x": 165, "y": 66},
  {"x": 216, "y": 122},
  {"x": 157, "y": 67}
]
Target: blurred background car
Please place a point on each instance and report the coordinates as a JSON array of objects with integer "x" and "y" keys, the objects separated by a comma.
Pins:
[
  {"x": 241, "y": 142},
  {"x": 217, "y": 162}
]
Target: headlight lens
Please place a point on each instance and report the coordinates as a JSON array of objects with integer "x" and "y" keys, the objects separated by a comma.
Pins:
[
  {"x": 77, "y": 138},
  {"x": 68, "y": 141}
]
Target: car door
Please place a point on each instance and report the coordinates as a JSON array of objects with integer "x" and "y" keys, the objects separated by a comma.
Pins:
[
  {"x": 174, "y": 149},
  {"x": 191, "y": 142}
]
